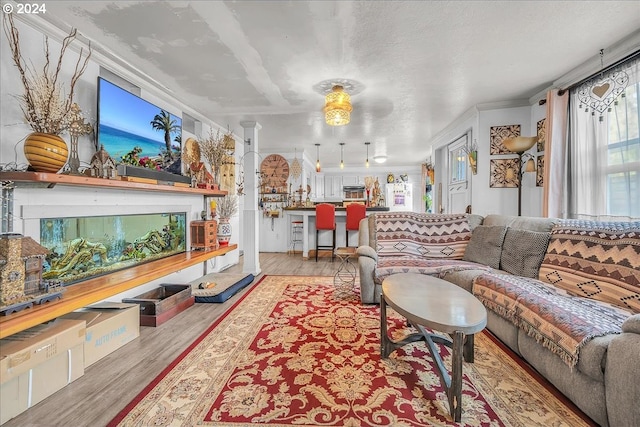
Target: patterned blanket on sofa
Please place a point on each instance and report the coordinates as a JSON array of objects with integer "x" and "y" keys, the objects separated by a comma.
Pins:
[
  {"x": 389, "y": 265},
  {"x": 421, "y": 235},
  {"x": 595, "y": 260},
  {"x": 561, "y": 322}
]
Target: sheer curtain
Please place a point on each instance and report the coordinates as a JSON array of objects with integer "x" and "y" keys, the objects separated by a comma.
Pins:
[
  {"x": 554, "y": 199},
  {"x": 603, "y": 175}
]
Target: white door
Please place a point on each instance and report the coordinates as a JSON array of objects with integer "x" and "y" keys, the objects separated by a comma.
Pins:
[{"x": 459, "y": 188}]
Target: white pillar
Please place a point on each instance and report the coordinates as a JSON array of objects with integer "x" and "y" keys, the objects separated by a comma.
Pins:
[{"x": 250, "y": 221}]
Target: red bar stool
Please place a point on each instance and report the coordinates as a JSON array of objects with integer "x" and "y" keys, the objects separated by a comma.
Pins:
[
  {"x": 355, "y": 213},
  {"x": 326, "y": 220}
]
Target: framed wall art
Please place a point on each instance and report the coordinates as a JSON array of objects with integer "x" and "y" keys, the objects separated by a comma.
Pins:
[
  {"x": 540, "y": 171},
  {"x": 499, "y": 177},
  {"x": 497, "y": 134},
  {"x": 542, "y": 134}
]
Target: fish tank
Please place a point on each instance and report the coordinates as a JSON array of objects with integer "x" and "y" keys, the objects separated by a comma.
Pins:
[{"x": 85, "y": 247}]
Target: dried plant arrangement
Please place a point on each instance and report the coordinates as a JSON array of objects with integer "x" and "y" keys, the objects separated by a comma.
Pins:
[
  {"x": 44, "y": 103},
  {"x": 214, "y": 149},
  {"x": 227, "y": 206}
]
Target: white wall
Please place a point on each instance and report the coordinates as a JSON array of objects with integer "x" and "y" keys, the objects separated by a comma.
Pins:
[
  {"x": 504, "y": 201},
  {"x": 480, "y": 119}
]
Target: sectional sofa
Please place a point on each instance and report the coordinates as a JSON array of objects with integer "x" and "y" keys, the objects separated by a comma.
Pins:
[{"x": 562, "y": 294}]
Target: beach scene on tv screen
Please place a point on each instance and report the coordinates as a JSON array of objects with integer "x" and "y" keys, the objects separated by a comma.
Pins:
[{"x": 127, "y": 121}]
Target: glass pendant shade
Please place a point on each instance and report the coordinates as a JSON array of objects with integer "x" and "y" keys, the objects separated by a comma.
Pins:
[
  {"x": 531, "y": 166},
  {"x": 519, "y": 144},
  {"x": 337, "y": 108},
  {"x": 318, "y": 157}
]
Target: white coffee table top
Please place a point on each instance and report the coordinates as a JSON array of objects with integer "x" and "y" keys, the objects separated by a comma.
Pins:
[{"x": 434, "y": 303}]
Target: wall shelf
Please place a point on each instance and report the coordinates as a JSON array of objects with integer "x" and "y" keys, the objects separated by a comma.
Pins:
[
  {"x": 99, "y": 288},
  {"x": 49, "y": 180}
]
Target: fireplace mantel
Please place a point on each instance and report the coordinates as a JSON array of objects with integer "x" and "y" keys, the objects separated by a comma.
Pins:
[{"x": 51, "y": 179}]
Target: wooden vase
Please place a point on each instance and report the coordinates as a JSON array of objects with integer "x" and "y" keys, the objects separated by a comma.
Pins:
[{"x": 45, "y": 152}]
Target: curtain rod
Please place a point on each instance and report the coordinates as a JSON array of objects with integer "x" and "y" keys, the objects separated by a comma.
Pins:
[{"x": 604, "y": 70}]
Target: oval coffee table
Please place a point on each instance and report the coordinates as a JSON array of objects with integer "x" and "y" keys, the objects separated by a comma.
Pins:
[{"x": 426, "y": 301}]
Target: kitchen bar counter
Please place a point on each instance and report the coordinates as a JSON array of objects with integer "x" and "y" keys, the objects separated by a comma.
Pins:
[
  {"x": 339, "y": 209},
  {"x": 309, "y": 214}
]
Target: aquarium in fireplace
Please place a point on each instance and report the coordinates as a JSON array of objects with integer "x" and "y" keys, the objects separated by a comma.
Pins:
[{"x": 85, "y": 247}]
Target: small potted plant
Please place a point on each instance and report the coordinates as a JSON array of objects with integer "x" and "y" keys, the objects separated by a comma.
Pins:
[{"x": 227, "y": 207}]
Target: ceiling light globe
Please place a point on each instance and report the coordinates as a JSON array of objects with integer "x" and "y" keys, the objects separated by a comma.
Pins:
[{"x": 379, "y": 159}]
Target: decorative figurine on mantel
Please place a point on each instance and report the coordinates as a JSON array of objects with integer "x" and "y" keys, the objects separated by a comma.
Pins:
[
  {"x": 102, "y": 165},
  {"x": 77, "y": 128}
]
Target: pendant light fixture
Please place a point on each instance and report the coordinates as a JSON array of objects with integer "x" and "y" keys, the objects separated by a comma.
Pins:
[
  {"x": 342, "y": 155},
  {"x": 337, "y": 107},
  {"x": 367, "y": 162},
  {"x": 318, "y": 157}
]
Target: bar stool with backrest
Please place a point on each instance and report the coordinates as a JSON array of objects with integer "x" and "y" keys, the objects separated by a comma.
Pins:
[
  {"x": 326, "y": 220},
  {"x": 355, "y": 213}
]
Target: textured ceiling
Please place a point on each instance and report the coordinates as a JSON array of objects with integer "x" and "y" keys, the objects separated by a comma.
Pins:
[{"x": 418, "y": 65}]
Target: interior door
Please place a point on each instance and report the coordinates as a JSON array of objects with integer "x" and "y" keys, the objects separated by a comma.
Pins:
[{"x": 459, "y": 188}]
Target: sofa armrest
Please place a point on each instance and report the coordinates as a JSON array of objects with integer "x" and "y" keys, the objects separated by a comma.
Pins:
[
  {"x": 622, "y": 379},
  {"x": 632, "y": 324},
  {"x": 367, "y": 260},
  {"x": 367, "y": 251}
]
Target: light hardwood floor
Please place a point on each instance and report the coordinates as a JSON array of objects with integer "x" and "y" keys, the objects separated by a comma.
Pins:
[{"x": 111, "y": 383}]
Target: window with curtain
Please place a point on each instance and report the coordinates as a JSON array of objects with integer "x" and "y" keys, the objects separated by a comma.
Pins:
[{"x": 604, "y": 153}]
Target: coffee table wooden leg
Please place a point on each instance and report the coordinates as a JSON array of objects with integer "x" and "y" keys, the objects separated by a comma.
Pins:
[
  {"x": 387, "y": 345},
  {"x": 455, "y": 393},
  {"x": 468, "y": 349}
]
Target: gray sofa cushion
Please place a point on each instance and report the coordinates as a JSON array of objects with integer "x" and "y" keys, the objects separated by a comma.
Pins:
[
  {"x": 485, "y": 245},
  {"x": 523, "y": 252}
]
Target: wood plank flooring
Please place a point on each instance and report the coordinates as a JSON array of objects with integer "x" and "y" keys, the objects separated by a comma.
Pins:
[{"x": 111, "y": 383}]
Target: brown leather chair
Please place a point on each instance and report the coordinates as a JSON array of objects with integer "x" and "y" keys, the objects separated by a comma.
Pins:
[
  {"x": 326, "y": 220},
  {"x": 355, "y": 213}
]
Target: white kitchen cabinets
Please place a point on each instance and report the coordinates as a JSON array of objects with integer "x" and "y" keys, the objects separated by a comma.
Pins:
[{"x": 333, "y": 187}]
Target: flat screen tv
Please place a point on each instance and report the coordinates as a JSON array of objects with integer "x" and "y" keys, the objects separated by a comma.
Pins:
[{"x": 127, "y": 125}]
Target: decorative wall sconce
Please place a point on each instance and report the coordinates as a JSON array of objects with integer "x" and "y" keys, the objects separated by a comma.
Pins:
[
  {"x": 317, "y": 157},
  {"x": 472, "y": 154},
  {"x": 342, "y": 155}
]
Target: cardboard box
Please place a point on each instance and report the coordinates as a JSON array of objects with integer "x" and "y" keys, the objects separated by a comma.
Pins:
[
  {"x": 110, "y": 325},
  {"x": 37, "y": 362}
]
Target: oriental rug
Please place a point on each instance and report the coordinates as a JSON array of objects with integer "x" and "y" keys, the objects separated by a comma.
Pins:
[{"x": 293, "y": 352}]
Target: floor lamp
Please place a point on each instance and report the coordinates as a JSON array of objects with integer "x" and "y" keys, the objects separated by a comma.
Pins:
[{"x": 519, "y": 145}]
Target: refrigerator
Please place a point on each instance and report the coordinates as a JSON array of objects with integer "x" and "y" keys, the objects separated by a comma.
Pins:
[{"x": 399, "y": 196}]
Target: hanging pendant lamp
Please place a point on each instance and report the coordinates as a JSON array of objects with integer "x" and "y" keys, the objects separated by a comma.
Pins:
[
  {"x": 342, "y": 155},
  {"x": 337, "y": 107},
  {"x": 317, "y": 157},
  {"x": 367, "y": 162}
]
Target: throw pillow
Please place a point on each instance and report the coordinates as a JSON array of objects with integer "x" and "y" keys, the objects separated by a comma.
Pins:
[
  {"x": 485, "y": 245},
  {"x": 523, "y": 251}
]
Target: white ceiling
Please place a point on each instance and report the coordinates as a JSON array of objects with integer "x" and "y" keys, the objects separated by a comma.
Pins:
[{"x": 418, "y": 65}]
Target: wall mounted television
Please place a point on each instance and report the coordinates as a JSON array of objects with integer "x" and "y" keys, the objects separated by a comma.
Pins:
[{"x": 126, "y": 121}]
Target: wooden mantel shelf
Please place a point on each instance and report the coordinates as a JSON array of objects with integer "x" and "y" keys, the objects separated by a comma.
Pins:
[
  {"x": 99, "y": 288},
  {"x": 51, "y": 179}
]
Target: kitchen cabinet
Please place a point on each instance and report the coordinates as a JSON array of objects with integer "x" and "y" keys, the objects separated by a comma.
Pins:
[
  {"x": 317, "y": 192},
  {"x": 353, "y": 180},
  {"x": 333, "y": 187}
]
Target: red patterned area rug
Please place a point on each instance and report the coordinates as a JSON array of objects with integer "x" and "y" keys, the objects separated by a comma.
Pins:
[{"x": 293, "y": 352}]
